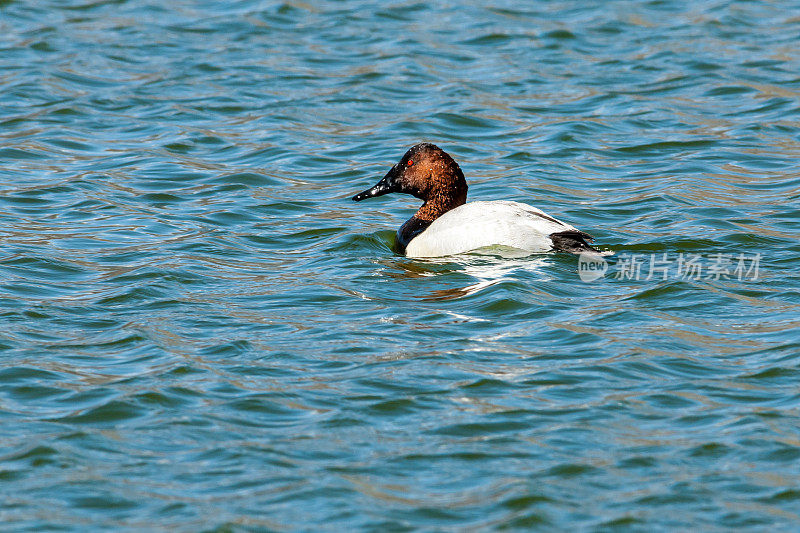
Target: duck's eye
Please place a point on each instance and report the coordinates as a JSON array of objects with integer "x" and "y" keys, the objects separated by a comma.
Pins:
[{"x": 410, "y": 162}]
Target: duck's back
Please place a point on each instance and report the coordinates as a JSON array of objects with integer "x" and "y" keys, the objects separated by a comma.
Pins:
[{"x": 479, "y": 224}]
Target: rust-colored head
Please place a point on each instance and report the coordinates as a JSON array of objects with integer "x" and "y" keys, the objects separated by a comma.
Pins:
[{"x": 428, "y": 173}]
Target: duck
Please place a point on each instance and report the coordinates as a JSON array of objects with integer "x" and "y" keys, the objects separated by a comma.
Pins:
[{"x": 447, "y": 225}]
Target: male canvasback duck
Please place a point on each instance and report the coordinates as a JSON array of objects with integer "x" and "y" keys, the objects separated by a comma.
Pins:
[{"x": 447, "y": 225}]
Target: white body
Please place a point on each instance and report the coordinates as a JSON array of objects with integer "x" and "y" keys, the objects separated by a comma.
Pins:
[{"x": 479, "y": 224}]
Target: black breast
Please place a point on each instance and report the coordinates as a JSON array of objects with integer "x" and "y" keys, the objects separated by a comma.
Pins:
[{"x": 412, "y": 227}]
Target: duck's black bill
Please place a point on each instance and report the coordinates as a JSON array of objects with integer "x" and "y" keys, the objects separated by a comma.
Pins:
[{"x": 385, "y": 186}]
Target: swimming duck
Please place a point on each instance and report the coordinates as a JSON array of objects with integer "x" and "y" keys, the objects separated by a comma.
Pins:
[{"x": 447, "y": 225}]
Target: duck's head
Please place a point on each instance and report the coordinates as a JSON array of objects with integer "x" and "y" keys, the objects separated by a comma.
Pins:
[{"x": 426, "y": 172}]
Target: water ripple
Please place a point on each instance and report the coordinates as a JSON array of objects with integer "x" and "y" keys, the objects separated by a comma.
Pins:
[{"x": 200, "y": 331}]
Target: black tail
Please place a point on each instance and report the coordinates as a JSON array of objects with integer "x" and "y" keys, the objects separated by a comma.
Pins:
[{"x": 572, "y": 241}]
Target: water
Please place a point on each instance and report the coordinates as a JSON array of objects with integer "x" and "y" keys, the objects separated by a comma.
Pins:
[{"x": 199, "y": 330}]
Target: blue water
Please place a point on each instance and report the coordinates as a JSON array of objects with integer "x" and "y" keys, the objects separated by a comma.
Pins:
[{"x": 200, "y": 331}]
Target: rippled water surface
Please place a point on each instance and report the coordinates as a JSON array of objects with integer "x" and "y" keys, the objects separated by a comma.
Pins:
[{"x": 200, "y": 331}]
